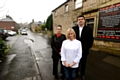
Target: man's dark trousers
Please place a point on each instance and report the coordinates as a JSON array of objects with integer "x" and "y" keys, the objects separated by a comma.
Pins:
[{"x": 82, "y": 64}]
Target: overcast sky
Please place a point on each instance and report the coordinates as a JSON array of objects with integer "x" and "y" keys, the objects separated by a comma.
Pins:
[{"x": 26, "y": 10}]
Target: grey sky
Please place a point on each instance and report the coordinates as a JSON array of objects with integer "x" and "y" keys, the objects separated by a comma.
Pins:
[{"x": 26, "y": 10}]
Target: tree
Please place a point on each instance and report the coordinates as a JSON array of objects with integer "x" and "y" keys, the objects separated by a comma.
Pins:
[
  {"x": 49, "y": 23},
  {"x": 43, "y": 26}
]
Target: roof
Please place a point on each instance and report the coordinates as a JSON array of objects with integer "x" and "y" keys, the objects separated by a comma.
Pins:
[
  {"x": 60, "y": 5},
  {"x": 7, "y": 19},
  {"x": 38, "y": 22}
]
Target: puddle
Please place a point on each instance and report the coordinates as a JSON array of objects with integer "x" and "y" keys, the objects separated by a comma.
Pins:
[
  {"x": 28, "y": 41},
  {"x": 9, "y": 58},
  {"x": 30, "y": 78}
]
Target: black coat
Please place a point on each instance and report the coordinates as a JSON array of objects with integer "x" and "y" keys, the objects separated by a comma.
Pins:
[
  {"x": 56, "y": 43},
  {"x": 86, "y": 37}
]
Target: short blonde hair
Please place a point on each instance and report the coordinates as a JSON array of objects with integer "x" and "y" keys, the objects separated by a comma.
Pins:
[{"x": 68, "y": 31}]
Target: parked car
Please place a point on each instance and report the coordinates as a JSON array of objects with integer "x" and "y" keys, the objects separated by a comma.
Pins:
[
  {"x": 11, "y": 33},
  {"x": 3, "y": 33},
  {"x": 24, "y": 32}
]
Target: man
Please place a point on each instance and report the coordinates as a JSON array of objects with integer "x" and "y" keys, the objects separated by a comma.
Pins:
[
  {"x": 85, "y": 35},
  {"x": 56, "y": 43}
]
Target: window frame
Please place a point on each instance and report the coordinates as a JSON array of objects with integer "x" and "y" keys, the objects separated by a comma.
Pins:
[
  {"x": 66, "y": 8},
  {"x": 55, "y": 13},
  {"x": 78, "y": 4},
  {"x": 88, "y": 22}
]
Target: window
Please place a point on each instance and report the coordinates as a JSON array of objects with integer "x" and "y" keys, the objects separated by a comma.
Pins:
[
  {"x": 90, "y": 23},
  {"x": 75, "y": 23},
  {"x": 66, "y": 8},
  {"x": 78, "y": 4},
  {"x": 55, "y": 14}
]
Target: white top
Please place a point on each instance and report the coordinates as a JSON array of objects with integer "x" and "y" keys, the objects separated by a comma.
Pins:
[
  {"x": 71, "y": 51},
  {"x": 80, "y": 30}
]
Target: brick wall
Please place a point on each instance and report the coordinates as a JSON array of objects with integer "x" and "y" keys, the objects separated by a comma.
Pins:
[{"x": 7, "y": 25}]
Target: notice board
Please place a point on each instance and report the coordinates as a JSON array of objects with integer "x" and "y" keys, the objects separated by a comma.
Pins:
[{"x": 109, "y": 22}]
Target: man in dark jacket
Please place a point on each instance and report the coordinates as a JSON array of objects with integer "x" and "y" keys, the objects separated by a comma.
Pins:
[
  {"x": 56, "y": 43},
  {"x": 85, "y": 35}
]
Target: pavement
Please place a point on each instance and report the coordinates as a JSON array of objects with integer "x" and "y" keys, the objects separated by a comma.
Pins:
[{"x": 18, "y": 63}]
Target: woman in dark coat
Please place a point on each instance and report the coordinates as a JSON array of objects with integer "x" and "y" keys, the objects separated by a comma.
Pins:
[{"x": 56, "y": 43}]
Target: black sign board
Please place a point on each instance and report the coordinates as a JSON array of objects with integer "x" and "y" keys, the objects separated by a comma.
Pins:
[{"x": 109, "y": 22}]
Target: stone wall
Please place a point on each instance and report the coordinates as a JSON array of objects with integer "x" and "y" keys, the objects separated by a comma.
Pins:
[
  {"x": 63, "y": 18},
  {"x": 107, "y": 44},
  {"x": 90, "y": 9}
]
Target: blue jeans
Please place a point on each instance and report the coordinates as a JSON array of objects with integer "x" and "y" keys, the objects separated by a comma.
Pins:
[{"x": 69, "y": 73}]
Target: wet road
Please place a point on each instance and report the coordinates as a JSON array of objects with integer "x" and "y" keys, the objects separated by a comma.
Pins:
[
  {"x": 19, "y": 63},
  {"x": 100, "y": 65}
]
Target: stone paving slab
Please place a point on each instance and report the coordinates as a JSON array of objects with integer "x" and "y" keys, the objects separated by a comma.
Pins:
[{"x": 113, "y": 60}]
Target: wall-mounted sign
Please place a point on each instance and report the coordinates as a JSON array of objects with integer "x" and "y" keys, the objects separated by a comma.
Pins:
[
  {"x": 109, "y": 22},
  {"x": 12, "y": 27}
]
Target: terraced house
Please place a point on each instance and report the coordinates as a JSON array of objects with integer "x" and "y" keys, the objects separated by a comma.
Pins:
[{"x": 103, "y": 16}]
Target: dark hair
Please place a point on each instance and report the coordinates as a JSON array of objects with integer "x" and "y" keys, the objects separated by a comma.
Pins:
[
  {"x": 59, "y": 26},
  {"x": 81, "y": 16}
]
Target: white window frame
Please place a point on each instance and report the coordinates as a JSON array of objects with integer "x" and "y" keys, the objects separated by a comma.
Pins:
[
  {"x": 66, "y": 8},
  {"x": 78, "y": 3},
  {"x": 55, "y": 13}
]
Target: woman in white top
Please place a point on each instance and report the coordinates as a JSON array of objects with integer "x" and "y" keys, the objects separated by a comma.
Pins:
[{"x": 71, "y": 53}]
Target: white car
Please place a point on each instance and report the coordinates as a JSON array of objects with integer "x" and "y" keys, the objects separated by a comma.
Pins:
[
  {"x": 11, "y": 33},
  {"x": 24, "y": 32}
]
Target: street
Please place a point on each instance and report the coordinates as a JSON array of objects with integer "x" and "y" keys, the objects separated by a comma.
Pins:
[{"x": 30, "y": 59}]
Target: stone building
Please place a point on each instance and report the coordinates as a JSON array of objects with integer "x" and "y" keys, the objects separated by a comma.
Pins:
[
  {"x": 36, "y": 26},
  {"x": 103, "y": 16}
]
